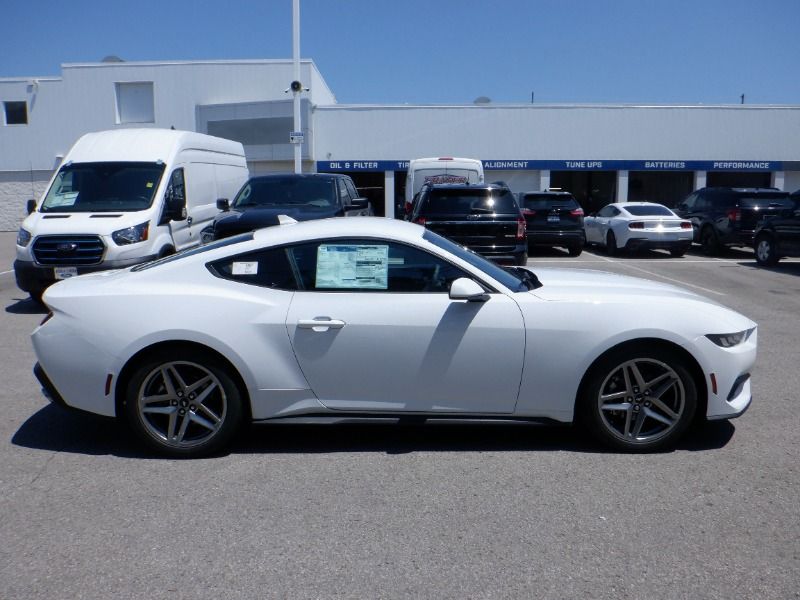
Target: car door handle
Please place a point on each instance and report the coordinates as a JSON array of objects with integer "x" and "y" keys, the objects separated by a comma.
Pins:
[
  {"x": 189, "y": 220},
  {"x": 320, "y": 324}
]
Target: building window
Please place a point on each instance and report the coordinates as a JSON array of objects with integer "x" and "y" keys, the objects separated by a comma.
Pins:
[
  {"x": 135, "y": 102},
  {"x": 16, "y": 113}
]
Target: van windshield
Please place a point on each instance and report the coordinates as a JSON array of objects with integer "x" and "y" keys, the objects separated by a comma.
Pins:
[
  {"x": 103, "y": 187},
  {"x": 444, "y": 175}
]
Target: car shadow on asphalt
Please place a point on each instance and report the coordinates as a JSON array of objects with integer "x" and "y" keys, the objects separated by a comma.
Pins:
[
  {"x": 56, "y": 429},
  {"x": 783, "y": 268},
  {"x": 26, "y": 306}
]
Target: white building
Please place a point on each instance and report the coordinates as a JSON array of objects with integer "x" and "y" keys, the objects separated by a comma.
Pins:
[{"x": 600, "y": 153}]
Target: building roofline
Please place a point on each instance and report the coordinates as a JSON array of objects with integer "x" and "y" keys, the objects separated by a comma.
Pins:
[
  {"x": 553, "y": 105},
  {"x": 160, "y": 63}
]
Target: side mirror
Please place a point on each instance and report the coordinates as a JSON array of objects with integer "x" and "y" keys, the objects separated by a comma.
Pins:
[
  {"x": 467, "y": 289},
  {"x": 31, "y": 206},
  {"x": 223, "y": 204},
  {"x": 359, "y": 204}
]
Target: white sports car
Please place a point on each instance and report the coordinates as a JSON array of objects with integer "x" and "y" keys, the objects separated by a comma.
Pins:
[
  {"x": 638, "y": 225},
  {"x": 374, "y": 319}
]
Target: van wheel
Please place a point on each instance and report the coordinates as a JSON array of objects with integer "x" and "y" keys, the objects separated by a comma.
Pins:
[{"x": 166, "y": 251}]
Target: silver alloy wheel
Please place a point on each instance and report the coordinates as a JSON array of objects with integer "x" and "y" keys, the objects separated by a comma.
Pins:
[
  {"x": 181, "y": 404},
  {"x": 763, "y": 251},
  {"x": 641, "y": 400}
]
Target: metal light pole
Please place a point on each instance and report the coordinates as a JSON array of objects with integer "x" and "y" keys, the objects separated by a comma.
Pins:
[{"x": 296, "y": 87}]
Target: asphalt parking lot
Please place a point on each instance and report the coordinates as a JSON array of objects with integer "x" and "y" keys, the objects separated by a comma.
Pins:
[{"x": 436, "y": 512}]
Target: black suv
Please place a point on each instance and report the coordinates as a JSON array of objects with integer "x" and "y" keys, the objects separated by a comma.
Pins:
[
  {"x": 302, "y": 196},
  {"x": 484, "y": 218},
  {"x": 779, "y": 236},
  {"x": 553, "y": 218},
  {"x": 723, "y": 216}
]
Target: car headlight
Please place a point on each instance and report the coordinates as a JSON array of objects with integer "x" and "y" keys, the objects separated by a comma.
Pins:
[
  {"x": 131, "y": 235},
  {"x": 23, "y": 237},
  {"x": 728, "y": 340}
]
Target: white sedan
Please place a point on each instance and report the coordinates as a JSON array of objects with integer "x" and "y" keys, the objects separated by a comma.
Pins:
[
  {"x": 373, "y": 319},
  {"x": 638, "y": 225}
]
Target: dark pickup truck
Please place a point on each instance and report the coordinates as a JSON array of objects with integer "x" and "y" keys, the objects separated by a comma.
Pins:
[
  {"x": 484, "y": 218},
  {"x": 302, "y": 196}
]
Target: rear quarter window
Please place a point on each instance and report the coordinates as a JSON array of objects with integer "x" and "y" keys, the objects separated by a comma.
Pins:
[{"x": 464, "y": 201}]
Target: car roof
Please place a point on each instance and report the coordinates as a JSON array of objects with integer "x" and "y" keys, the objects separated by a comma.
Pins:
[
  {"x": 547, "y": 193},
  {"x": 339, "y": 227},
  {"x": 467, "y": 186},
  {"x": 298, "y": 175}
]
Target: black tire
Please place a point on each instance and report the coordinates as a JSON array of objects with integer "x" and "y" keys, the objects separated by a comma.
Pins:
[
  {"x": 765, "y": 250},
  {"x": 186, "y": 413},
  {"x": 36, "y": 296},
  {"x": 611, "y": 244},
  {"x": 521, "y": 260},
  {"x": 575, "y": 250},
  {"x": 678, "y": 252},
  {"x": 614, "y": 426},
  {"x": 709, "y": 241}
]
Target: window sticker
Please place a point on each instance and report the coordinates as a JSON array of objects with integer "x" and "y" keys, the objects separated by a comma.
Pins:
[
  {"x": 244, "y": 268},
  {"x": 352, "y": 266},
  {"x": 149, "y": 184},
  {"x": 63, "y": 199}
]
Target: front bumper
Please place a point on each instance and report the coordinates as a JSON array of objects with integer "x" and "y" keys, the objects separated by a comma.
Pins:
[{"x": 32, "y": 277}]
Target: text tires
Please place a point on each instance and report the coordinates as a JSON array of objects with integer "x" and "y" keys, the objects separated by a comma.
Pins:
[
  {"x": 183, "y": 403},
  {"x": 638, "y": 399},
  {"x": 766, "y": 253}
]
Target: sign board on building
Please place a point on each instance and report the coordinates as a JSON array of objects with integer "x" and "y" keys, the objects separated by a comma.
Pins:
[
  {"x": 296, "y": 137},
  {"x": 575, "y": 165}
]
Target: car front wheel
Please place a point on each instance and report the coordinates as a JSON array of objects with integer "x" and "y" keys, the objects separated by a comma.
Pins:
[
  {"x": 183, "y": 404},
  {"x": 639, "y": 399},
  {"x": 766, "y": 253}
]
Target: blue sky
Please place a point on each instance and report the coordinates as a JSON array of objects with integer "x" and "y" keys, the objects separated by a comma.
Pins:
[{"x": 441, "y": 52}]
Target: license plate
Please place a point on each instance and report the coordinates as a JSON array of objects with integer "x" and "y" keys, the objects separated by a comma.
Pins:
[
  {"x": 553, "y": 219},
  {"x": 65, "y": 272},
  {"x": 671, "y": 237}
]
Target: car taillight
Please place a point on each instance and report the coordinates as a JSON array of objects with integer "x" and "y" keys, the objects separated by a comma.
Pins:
[
  {"x": 528, "y": 212},
  {"x": 735, "y": 215},
  {"x": 409, "y": 207},
  {"x": 636, "y": 225},
  {"x": 420, "y": 221},
  {"x": 520, "y": 228},
  {"x": 578, "y": 212},
  {"x": 686, "y": 224}
]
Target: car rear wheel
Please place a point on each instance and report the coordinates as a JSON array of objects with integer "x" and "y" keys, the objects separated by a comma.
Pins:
[
  {"x": 678, "y": 252},
  {"x": 639, "y": 399},
  {"x": 611, "y": 243},
  {"x": 575, "y": 250},
  {"x": 709, "y": 242},
  {"x": 766, "y": 253},
  {"x": 183, "y": 404}
]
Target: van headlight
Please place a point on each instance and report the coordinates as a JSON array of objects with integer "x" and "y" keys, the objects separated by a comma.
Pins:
[
  {"x": 131, "y": 235},
  {"x": 728, "y": 340},
  {"x": 23, "y": 237}
]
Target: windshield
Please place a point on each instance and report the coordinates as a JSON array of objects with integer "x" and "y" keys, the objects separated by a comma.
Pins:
[
  {"x": 319, "y": 192},
  {"x": 532, "y": 202},
  {"x": 513, "y": 279},
  {"x": 464, "y": 201},
  {"x": 444, "y": 175},
  {"x": 650, "y": 210},
  {"x": 103, "y": 187}
]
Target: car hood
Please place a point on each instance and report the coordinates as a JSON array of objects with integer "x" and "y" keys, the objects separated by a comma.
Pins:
[
  {"x": 99, "y": 223},
  {"x": 240, "y": 221}
]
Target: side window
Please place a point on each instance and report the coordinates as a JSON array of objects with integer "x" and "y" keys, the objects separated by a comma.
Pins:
[
  {"x": 701, "y": 202},
  {"x": 265, "y": 268},
  {"x": 606, "y": 211},
  {"x": 344, "y": 195},
  {"x": 177, "y": 184},
  {"x": 364, "y": 265},
  {"x": 351, "y": 187}
]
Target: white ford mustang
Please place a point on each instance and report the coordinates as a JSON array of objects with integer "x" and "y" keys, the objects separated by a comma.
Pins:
[{"x": 374, "y": 319}]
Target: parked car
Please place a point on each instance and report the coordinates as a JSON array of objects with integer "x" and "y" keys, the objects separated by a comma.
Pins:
[
  {"x": 634, "y": 226},
  {"x": 445, "y": 169},
  {"x": 779, "y": 236},
  {"x": 447, "y": 335},
  {"x": 725, "y": 216},
  {"x": 302, "y": 197},
  {"x": 124, "y": 197},
  {"x": 484, "y": 218},
  {"x": 553, "y": 218}
]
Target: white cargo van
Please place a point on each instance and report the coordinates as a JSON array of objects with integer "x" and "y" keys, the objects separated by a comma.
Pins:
[
  {"x": 440, "y": 170},
  {"x": 124, "y": 197}
]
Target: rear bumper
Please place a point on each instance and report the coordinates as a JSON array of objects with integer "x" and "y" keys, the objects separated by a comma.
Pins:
[
  {"x": 651, "y": 244},
  {"x": 556, "y": 238},
  {"x": 502, "y": 253}
]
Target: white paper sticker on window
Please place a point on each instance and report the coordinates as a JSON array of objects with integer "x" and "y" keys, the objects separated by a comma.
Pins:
[
  {"x": 62, "y": 199},
  {"x": 352, "y": 266},
  {"x": 244, "y": 268}
]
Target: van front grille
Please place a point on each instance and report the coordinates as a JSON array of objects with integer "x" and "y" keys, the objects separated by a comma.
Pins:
[{"x": 74, "y": 250}]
